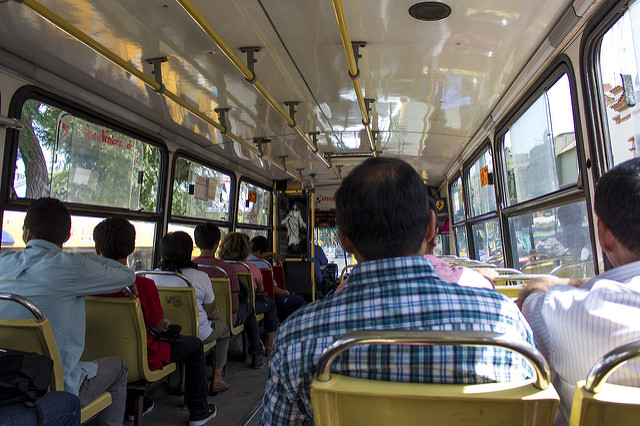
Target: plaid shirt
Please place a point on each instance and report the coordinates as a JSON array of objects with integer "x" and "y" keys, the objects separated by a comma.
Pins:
[{"x": 392, "y": 294}]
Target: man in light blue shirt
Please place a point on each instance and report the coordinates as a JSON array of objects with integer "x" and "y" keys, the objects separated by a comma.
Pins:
[{"x": 56, "y": 282}]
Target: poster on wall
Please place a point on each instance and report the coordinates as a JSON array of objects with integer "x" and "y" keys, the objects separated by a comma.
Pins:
[{"x": 293, "y": 235}]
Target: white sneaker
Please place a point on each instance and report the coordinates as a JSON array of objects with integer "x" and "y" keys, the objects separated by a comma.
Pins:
[{"x": 202, "y": 419}]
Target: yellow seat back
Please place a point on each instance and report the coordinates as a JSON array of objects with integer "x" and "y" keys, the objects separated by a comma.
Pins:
[
  {"x": 180, "y": 306},
  {"x": 36, "y": 335},
  {"x": 33, "y": 335},
  {"x": 596, "y": 403},
  {"x": 574, "y": 270},
  {"x": 342, "y": 400},
  {"x": 115, "y": 327},
  {"x": 222, "y": 291}
]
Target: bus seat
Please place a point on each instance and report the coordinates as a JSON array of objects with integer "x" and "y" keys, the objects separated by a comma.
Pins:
[
  {"x": 267, "y": 279},
  {"x": 115, "y": 327},
  {"x": 510, "y": 284},
  {"x": 36, "y": 335},
  {"x": 596, "y": 403},
  {"x": 222, "y": 290},
  {"x": 179, "y": 305},
  {"x": 582, "y": 269},
  {"x": 247, "y": 279},
  {"x": 545, "y": 265},
  {"x": 278, "y": 276},
  {"x": 342, "y": 400},
  {"x": 511, "y": 291}
]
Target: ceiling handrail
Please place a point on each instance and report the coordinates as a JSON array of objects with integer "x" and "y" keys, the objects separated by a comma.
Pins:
[
  {"x": 250, "y": 76},
  {"x": 354, "y": 72},
  {"x": 160, "y": 88}
]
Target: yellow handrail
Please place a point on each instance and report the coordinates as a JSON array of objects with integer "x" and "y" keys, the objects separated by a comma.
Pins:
[
  {"x": 202, "y": 22},
  {"x": 75, "y": 32},
  {"x": 354, "y": 72}
]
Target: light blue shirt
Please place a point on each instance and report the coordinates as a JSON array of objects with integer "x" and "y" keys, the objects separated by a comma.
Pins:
[{"x": 56, "y": 282}]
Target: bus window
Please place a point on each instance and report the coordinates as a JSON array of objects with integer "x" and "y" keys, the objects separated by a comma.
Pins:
[
  {"x": 200, "y": 192},
  {"x": 254, "y": 205},
  {"x": 482, "y": 196},
  {"x": 81, "y": 239},
  {"x": 457, "y": 200},
  {"x": 544, "y": 240},
  {"x": 619, "y": 64},
  {"x": 77, "y": 161},
  {"x": 487, "y": 242},
  {"x": 189, "y": 229},
  {"x": 540, "y": 146},
  {"x": 461, "y": 241}
]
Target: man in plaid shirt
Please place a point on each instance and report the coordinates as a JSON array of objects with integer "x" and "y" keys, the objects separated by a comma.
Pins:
[{"x": 384, "y": 219}]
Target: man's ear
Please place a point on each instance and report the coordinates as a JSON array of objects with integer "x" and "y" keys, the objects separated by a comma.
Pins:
[
  {"x": 26, "y": 235},
  {"x": 98, "y": 250},
  {"x": 605, "y": 237},
  {"x": 432, "y": 230},
  {"x": 348, "y": 246}
]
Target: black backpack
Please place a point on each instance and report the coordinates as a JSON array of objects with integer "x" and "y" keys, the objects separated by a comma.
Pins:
[
  {"x": 24, "y": 376},
  {"x": 243, "y": 295}
]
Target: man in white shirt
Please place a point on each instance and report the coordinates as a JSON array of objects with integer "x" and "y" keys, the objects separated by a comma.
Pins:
[{"x": 574, "y": 324}]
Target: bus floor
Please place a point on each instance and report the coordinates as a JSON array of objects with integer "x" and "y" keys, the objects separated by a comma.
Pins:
[{"x": 238, "y": 406}]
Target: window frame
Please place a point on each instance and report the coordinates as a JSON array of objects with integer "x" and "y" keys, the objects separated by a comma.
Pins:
[
  {"x": 236, "y": 223},
  {"x": 30, "y": 92},
  {"x": 189, "y": 220},
  {"x": 566, "y": 194}
]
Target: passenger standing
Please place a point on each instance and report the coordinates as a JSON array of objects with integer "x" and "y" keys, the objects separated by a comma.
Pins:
[
  {"x": 384, "y": 219},
  {"x": 57, "y": 283},
  {"x": 115, "y": 239},
  {"x": 574, "y": 323}
]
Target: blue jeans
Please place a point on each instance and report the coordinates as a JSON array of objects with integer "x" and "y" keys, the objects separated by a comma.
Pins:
[
  {"x": 58, "y": 409},
  {"x": 268, "y": 308}
]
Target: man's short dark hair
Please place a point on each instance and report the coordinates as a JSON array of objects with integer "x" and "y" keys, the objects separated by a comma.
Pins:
[
  {"x": 382, "y": 207},
  {"x": 259, "y": 243},
  {"x": 617, "y": 203},
  {"x": 207, "y": 236},
  {"x": 48, "y": 219},
  {"x": 115, "y": 237}
]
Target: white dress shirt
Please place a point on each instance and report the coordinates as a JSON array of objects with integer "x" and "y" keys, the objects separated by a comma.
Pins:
[{"x": 574, "y": 327}]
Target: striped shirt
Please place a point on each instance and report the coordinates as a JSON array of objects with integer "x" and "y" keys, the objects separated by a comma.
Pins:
[
  {"x": 392, "y": 294},
  {"x": 574, "y": 327}
]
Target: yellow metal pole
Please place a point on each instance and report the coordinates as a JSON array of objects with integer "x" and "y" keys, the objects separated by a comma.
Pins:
[
  {"x": 195, "y": 14},
  {"x": 354, "y": 72},
  {"x": 313, "y": 238},
  {"x": 75, "y": 32}
]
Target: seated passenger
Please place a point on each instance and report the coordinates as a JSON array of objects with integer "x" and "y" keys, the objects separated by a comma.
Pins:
[
  {"x": 115, "y": 239},
  {"x": 235, "y": 246},
  {"x": 384, "y": 219},
  {"x": 56, "y": 282},
  {"x": 207, "y": 237},
  {"x": 455, "y": 274},
  {"x": 176, "y": 248},
  {"x": 577, "y": 322},
  {"x": 52, "y": 409},
  {"x": 286, "y": 303}
]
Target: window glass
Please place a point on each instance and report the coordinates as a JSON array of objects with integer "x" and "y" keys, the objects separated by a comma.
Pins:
[
  {"x": 254, "y": 204},
  {"x": 200, "y": 191},
  {"x": 253, "y": 232},
  {"x": 545, "y": 240},
  {"x": 620, "y": 83},
  {"x": 487, "y": 242},
  {"x": 540, "y": 147},
  {"x": 482, "y": 194},
  {"x": 189, "y": 229},
  {"x": 81, "y": 239},
  {"x": 327, "y": 238},
  {"x": 457, "y": 200},
  {"x": 78, "y": 161},
  {"x": 461, "y": 241},
  {"x": 442, "y": 247}
]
